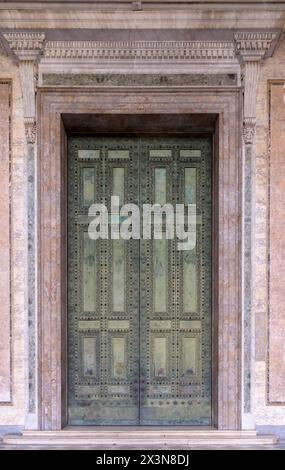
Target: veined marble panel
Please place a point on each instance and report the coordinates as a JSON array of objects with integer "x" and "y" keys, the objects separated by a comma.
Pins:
[
  {"x": 276, "y": 318},
  {"x": 5, "y": 272}
]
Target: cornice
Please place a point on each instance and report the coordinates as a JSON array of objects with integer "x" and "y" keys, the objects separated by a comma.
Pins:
[
  {"x": 247, "y": 45},
  {"x": 197, "y": 16},
  {"x": 54, "y": 6},
  {"x": 100, "y": 3}
]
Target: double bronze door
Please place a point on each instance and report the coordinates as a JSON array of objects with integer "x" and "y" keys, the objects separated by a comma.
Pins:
[{"x": 139, "y": 310}]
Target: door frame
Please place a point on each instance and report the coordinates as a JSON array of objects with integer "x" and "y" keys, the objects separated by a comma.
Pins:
[{"x": 53, "y": 104}]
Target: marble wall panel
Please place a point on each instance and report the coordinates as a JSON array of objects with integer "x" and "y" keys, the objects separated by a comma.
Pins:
[
  {"x": 276, "y": 318},
  {"x": 267, "y": 289},
  {"x": 5, "y": 306},
  {"x": 13, "y": 258}
]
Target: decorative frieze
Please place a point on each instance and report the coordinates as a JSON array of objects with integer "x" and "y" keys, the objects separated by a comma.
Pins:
[
  {"x": 139, "y": 79},
  {"x": 140, "y": 50}
]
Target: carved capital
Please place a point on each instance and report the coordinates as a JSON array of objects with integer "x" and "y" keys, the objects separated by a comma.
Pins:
[
  {"x": 30, "y": 130},
  {"x": 248, "y": 130}
]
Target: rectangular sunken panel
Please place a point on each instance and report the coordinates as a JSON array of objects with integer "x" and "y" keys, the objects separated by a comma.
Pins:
[{"x": 88, "y": 154}]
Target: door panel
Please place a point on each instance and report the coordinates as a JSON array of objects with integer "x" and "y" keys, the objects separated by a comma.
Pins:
[
  {"x": 103, "y": 288},
  {"x": 139, "y": 310},
  {"x": 175, "y": 289}
]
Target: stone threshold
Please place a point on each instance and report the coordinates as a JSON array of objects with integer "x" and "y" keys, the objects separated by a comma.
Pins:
[{"x": 132, "y": 437}]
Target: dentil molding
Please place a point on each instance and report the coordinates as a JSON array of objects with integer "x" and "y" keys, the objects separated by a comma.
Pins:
[{"x": 140, "y": 50}]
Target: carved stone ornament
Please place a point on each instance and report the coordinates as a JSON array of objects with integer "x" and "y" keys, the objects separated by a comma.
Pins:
[
  {"x": 254, "y": 45},
  {"x": 26, "y": 44},
  {"x": 140, "y": 50},
  {"x": 3, "y": 49},
  {"x": 249, "y": 130},
  {"x": 251, "y": 48},
  {"x": 30, "y": 130}
]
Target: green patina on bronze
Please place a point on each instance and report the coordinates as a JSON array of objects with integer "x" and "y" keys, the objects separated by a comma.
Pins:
[{"x": 139, "y": 315}]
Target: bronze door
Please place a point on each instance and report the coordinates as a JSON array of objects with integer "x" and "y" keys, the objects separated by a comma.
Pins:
[{"x": 139, "y": 319}]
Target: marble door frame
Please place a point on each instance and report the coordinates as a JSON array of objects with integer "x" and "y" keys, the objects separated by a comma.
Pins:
[{"x": 53, "y": 103}]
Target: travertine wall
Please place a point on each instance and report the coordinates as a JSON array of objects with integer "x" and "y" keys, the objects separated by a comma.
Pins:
[
  {"x": 268, "y": 201},
  {"x": 12, "y": 408}
]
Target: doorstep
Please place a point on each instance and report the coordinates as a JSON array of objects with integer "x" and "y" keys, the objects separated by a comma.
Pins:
[{"x": 129, "y": 437}]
